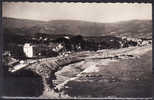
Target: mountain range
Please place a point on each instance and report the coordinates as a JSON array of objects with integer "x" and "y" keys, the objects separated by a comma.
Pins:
[{"x": 131, "y": 28}]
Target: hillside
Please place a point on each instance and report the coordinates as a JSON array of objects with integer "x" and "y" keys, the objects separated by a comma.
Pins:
[
  {"x": 133, "y": 28},
  {"x": 124, "y": 72},
  {"x": 94, "y": 63}
]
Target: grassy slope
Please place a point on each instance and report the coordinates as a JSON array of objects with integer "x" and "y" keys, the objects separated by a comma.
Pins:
[{"x": 123, "y": 78}]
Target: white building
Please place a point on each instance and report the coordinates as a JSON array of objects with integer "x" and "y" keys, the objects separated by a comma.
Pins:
[
  {"x": 58, "y": 48},
  {"x": 28, "y": 50}
]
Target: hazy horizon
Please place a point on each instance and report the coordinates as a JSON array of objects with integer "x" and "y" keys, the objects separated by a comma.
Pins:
[
  {"x": 76, "y": 20},
  {"x": 91, "y": 12}
]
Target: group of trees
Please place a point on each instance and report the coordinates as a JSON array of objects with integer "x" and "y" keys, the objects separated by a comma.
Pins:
[
  {"x": 70, "y": 43},
  {"x": 79, "y": 43}
]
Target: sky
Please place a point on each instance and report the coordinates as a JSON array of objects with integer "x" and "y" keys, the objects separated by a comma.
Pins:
[{"x": 95, "y": 12}]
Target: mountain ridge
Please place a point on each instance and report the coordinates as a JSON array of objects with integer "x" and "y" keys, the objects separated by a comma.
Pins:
[{"x": 132, "y": 28}]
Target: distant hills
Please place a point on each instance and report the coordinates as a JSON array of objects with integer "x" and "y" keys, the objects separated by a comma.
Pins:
[{"x": 24, "y": 27}]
